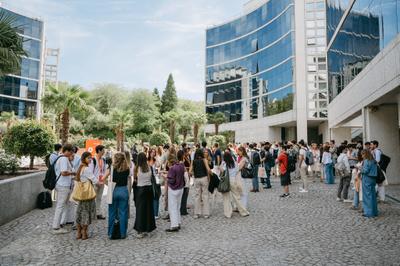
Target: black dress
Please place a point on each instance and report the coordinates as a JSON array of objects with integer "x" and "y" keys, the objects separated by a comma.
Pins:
[{"x": 145, "y": 221}]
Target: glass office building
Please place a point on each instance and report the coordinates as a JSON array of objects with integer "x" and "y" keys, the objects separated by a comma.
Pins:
[
  {"x": 251, "y": 67},
  {"x": 20, "y": 91}
]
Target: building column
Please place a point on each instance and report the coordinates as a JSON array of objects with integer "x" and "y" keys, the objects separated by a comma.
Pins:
[
  {"x": 340, "y": 134},
  {"x": 381, "y": 123}
]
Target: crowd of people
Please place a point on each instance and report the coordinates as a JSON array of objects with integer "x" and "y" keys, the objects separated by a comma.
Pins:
[{"x": 162, "y": 177}]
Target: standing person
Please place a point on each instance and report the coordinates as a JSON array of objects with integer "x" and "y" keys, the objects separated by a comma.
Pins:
[
  {"x": 130, "y": 178},
  {"x": 54, "y": 155},
  {"x": 145, "y": 221},
  {"x": 99, "y": 167},
  {"x": 176, "y": 183},
  {"x": 343, "y": 170},
  {"x": 256, "y": 162},
  {"x": 377, "y": 154},
  {"x": 152, "y": 161},
  {"x": 283, "y": 162},
  {"x": 357, "y": 182},
  {"x": 118, "y": 210},
  {"x": 303, "y": 166},
  {"x": 316, "y": 167},
  {"x": 369, "y": 172},
  {"x": 235, "y": 182},
  {"x": 186, "y": 162},
  {"x": 328, "y": 166},
  {"x": 243, "y": 161},
  {"x": 268, "y": 162},
  {"x": 217, "y": 155},
  {"x": 86, "y": 210},
  {"x": 65, "y": 174},
  {"x": 201, "y": 172}
]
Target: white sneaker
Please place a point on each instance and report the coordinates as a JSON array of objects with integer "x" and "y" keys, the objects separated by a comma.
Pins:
[
  {"x": 196, "y": 217},
  {"x": 303, "y": 191},
  {"x": 60, "y": 231},
  {"x": 347, "y": 201},
  {"x": 338, "y": 199}
]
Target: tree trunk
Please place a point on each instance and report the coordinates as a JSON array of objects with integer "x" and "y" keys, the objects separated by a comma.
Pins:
[
  {"x": 65, "y": 126},
  {"x": 122, "y": 140},
  {"x": 31, "y": 162},
  {"x": 185, "y": 132},
  {"x": 172, "y": 132},
  {"x": 216, "y": 129},
  {"x": 195, "y": 132}
]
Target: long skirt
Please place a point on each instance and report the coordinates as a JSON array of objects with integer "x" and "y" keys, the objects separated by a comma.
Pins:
[
  {"x": 370, "y": 204},
  {"x": 145, "y": 221},
  {"x": 86, "y": 212}
]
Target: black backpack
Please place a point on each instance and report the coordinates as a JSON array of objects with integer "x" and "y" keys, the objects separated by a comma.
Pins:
[
  {"x": 276, "y": 151},
  {"x": 51, "y": 179},
  {"x": 291, "y": 163},
  {"x": 43, "y": 200},
  {"x": 384, "y": 162},
  {"x": 256, "y": 158}
]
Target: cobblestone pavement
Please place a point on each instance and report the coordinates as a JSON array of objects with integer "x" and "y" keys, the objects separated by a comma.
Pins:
[{"x": 305, "y": 229}]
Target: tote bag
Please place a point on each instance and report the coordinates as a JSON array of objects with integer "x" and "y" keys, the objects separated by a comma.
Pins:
[{"x": 110, "y": 187}]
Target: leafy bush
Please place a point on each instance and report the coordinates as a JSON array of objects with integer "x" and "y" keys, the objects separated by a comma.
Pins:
[
  {"x": 159, "y": 138},
  {"x": 9, "y": 163},
  {"x": 220, "y": 139},
  {"x": 29, "y": 138}
]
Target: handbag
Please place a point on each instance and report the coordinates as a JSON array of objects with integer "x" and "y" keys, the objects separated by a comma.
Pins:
[
  {"x": 247, "y": 171},
  {"x": 110, "y": 187},
  {"x": 116, "y": 232},
  {"x": 156, "y": 188},
  {"x": 261, "y": 172},
  {"x": 83, "y": 191},
  {"x": 224, "y": 184}
]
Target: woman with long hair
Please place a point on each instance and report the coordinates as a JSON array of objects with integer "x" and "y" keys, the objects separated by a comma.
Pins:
[
  {"x": 186, "y": 161},
  {"x": 235, "y": 181},
  {"x": 118, "y": 210},
  {"x": 243, "y": 160},
  {"x": 369, "y": 172},
  {"x": 86, "y": 211},
  {"x": 130, "y": 178},
  {"x": 201, "y": 171},
  {"x": 328, "y": 166},
  {"x": 144, "y": 222},
  {"x": 152, "y": 161}
]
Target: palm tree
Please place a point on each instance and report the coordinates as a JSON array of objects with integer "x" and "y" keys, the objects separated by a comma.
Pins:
[
  {"x": 63, "y": 100},
  {"x": 11, "y": 46},
  {"x": 217, "y": 119},
  {"x": 8, "y": 118},
  {"x": 120, "y": 121},
  {"x": 171, "y": 120},
  {"x": 198, "y": 121}
]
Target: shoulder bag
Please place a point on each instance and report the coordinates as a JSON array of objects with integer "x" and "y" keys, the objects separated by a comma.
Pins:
[
  {"x": 83, "y": 191},
  {"x": 110, "y": 187},
  {"x": 224, "y": 184}
]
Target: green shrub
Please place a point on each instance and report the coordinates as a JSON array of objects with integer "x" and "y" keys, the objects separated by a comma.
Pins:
[
  {"x": 220, "y": 139},
  {"x": 159, "y": 138},
  {"x": 9, "y": 163}
]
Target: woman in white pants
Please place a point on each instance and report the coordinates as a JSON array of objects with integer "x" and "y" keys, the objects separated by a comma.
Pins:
[
  {"x": 176, "y": 184},
  {"x": 243, "y": 160}
]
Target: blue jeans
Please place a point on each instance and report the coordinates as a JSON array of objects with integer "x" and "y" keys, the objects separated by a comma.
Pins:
[
  {"x": 119, "y": 210},
  {"x": 370, "y": 204},
  {"x": 156, "y": 207},
  {"x": 329, "y": 178},
  {"x": 268, "y": 174},
  {"x": 255, "y": 177},
  {"x": 356, "y": 200}
]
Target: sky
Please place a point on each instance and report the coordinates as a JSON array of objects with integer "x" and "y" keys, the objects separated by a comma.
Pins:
[{"x": 132, "y": 43}]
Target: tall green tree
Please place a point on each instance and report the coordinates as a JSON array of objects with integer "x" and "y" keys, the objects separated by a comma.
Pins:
[
  {"x": 63, "y": 100},
  {"x": 185, "y": 122},
  {"x": 11, "y": 45},
  {"x": 157, "y": 99},
  {"x": 217, "y": 119},
  {"x": 120, "y": 121},
  {"x": 107, "y": 96},
  {"x": 169, "y": 100},
  {"x": 198, "y": 121}
]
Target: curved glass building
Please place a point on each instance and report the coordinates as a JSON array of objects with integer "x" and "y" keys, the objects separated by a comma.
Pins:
[
  {"x": 251, "y": 70},
  {"x": 20, "y": 91}
]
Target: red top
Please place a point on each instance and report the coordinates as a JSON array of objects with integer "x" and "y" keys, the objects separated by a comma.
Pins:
[{"x": 283, "y": 162}]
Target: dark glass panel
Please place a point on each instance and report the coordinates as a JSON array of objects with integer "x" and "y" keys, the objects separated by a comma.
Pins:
[
  {"x": 18, "y": 87},
  {"x": 232, "y": 111},
  {"x": 278, "y": 102},
  {"x": 22, "y": 109}
]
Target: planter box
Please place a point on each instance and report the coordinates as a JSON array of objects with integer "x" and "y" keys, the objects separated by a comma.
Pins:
[{"x": 18, "y": 195}]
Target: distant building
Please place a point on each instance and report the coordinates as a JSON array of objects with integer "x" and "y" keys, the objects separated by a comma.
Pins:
[
  {"x": 20, "y": 93},
  {"x": 266, "y": 71}
]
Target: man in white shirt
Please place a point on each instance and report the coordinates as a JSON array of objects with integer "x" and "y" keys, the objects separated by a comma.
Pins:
[
  {"x": 377, "y": 153},
  {"x": 98, "y": 167},
  {"x": 344, "y": 172},
  {"x": 65, "y": 174}
]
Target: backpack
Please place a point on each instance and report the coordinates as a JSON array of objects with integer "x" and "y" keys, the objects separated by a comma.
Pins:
[
  {"x": 309, "y": 157},
  {"x": 341, "y": 169},
  {"x": 381, "y": 176},
  {"x": 291, "y": 163},
  {"x": 47, "y": 160},
  {"x": 270, "y": 159},
  {"x": 255, "y": 158},
  {"x": 43, "y": 200},
  {"x": 384, "y": 162},
  {"x": 116, "y": 233},
  {"x": 276, "y": 151},
  {"x": 50, "y": 179}
]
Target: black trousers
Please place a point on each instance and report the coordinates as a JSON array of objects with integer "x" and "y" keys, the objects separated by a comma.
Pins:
[{"x": 185, "y": 196}]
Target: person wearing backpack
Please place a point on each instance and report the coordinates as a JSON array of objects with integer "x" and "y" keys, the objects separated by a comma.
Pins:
[
  {"x": 268, "y": 161},
  {"x": 54, "y": 155},
  {"x": 378, "y": 156},
  {"x": 283, "y": 163},
  {"x": 64, "y": 172},
  {"x": 99, "y": 167},
  {"x": 343, "y": 170},
  {"x": 303, "y": 166},
  {"x": 256, "y": 162}
]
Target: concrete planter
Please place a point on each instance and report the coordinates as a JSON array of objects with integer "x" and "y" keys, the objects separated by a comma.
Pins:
[{"x": 18, "y": 195}]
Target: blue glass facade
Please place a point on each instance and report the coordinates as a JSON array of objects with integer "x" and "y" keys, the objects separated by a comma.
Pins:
[
  {"x": 19, "y": 91},
  {"x": 368, "y": 28},
  {"x": 250, "y": 61}
]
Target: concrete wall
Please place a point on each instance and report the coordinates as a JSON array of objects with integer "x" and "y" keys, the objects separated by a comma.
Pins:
[{"x": 18, "y": 195}]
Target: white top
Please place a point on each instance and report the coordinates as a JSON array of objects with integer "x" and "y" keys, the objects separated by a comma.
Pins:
[
  {"x": 53, "y": 157},
  {"x": 232, "y": 171},
  {"x": 303, "y": 152},
  {"x": 76, "y": 162},
  {"x": 326, "y": 157},
  {"x": 345, "y": 160},
  {"x": 87, "y": 174},
  {"x": 62, "y": 165},
  {"x": 97, "y": 172},
  {"x": 377, "y": 154},
  {"x": 144, "y": 179}
]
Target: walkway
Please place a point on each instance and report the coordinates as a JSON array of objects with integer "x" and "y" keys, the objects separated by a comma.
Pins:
[{"x": 306, "y": 229}]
